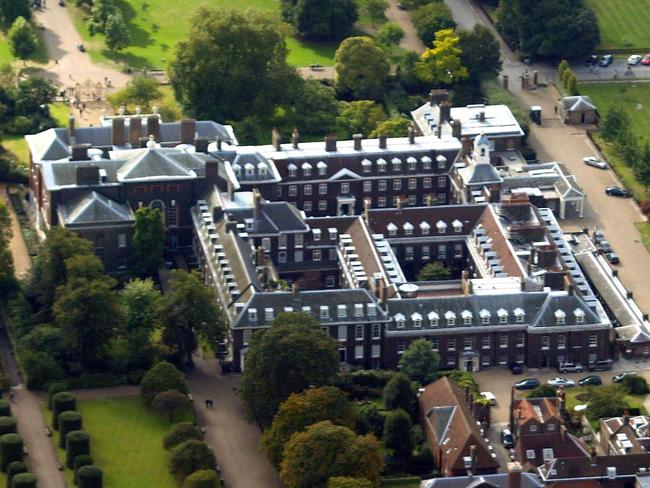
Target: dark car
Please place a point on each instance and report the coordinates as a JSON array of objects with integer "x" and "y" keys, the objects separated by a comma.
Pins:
[
  {"x": 612, "y": 257},
  {"x": 593, "y": 380},
  {"x": 506, "y": 439},
  {"x": 602, "y": 365},
  {"x": 515, "y": 368},
  {"x": 606, "y": 60},
  {"x": 617, "y": 191},
  {"x": 591, "y": 60},
  {"x": 604, "y": 247},
  {"x": 527, "y": 384}
]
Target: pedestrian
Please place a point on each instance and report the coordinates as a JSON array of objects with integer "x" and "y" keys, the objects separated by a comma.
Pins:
[
  {"x": 12, "y": 395},
  {"x": 70, "y": 75},
  {"x": 555, "y": 110}
]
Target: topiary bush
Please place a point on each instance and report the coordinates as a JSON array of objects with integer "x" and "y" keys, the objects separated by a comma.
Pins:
[
  {"x": 90, "y": 476},
  {"x": 24, "y": 480},
  {"x": 68, "y": 421},
  {"x": 162, "y": 377},
  {"x": 5, "y": 408},
  {"x": 191, "y": 456},
  {"x": 203, "y": 478},
  {"x": 13, "y": 469},
  {"x": 636, "y": 385},
  {"x": 53, "y": 390},
  {"x": 77, "y": 443},
  {"x": 181, "y": 432},
  {"x": 11, "y": 449},
  {"x": 62, "y": 402},
  {"x": 80, "y": 461},
  {"x": 7, "y": 425}
]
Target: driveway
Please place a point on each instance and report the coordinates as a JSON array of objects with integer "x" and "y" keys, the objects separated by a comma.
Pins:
[
  {"x": 411, "y": 41},
  {"x": 22, "y": 260}
]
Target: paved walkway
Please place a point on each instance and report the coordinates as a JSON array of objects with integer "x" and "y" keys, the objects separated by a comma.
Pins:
[
  {"x": 411, "y": 41},
  {"x": 22, "y": 260},
  {"x": 234, "y": 440}
]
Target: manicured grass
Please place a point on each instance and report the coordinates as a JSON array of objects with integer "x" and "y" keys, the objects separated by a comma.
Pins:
[
  {"x": 5, "y": 51},
  {"x": 635, "y": 401},
  {"x": 126, "y": 442},
  {"x": 156, "y": 27},
  {"x": 622, "y": 23},
  {"x": 16, "y": 148},
  {"x": 411, "y": 482},
  {"x": 60, "y": 112},
  {"x": 644, "y": 230}
]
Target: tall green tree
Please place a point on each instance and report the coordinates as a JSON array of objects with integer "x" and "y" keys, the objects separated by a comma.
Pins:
[
  {"x": 325, "y": 451},
  {"x": 10, "y": 10},
  {"x": 139, "y": 91},
  {"x": 642, "y": 167},
  {"x": 32, "y": 92},
  {"x": 434, "y": 271},
  {"x": 247, "y": 72},
  {"x": 301, "y": 410},
  {"x": 7, "y": 277},
  {"x": 187, "y": 311},
  {"x": 393, "y": 127},
  {"x": 616, "y": 120},
  {"x": 162, "y": 377},
  {"x": 400, "y": 393},
  {"x": 441, "y": 64},
  {"x": 397, "y": 434},
  {"x": 333, "y": 19},
  {"x": 22, "y": 38},
  {"x": 606, "y": 401},
  {"x": 287, "y": 358},
  {"x": 140, "y": 301},
  {"x": 390, "y": 35},
  {"x": 360, "y": 117},
  {"x": 148, "y": 241},
  {"x": 431, "y": 18},
  {"x": 375, "y": 10},
  {"x": 480, "y": 52},
  {"x": 101, "y": 11},
  {"x": 116, "y": 32},
  {"x": 420, "y": 362},
  {"x": 361, "y": 67}
]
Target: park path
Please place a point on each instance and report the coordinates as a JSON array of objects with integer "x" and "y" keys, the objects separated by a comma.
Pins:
[
  {"x": 22, "y": 260},
  {"x": 236, "y": 442},
  {"x": 411, "y": 41}
]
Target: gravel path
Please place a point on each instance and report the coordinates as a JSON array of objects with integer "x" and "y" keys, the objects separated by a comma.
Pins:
[
  {"x": 411, "y": 41},
  {"x": 22, "y": 260}
]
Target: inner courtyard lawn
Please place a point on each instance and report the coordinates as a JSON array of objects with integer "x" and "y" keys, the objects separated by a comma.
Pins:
[
  {"x": 156, "y": 27},
  {"x": 622, "y": 23}
]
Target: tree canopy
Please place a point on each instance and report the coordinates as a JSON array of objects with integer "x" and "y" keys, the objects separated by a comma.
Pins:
[
  {"x": 361, "y": 67},
  {"x": 348, "y": 482},
  {"x": 441, "y": 64},
  {"x": 400, "y": 393},
  {"x": 10, "y": 10},
  {"x": 116, "y": 32},
  {"x": 606, "y": 401},
  {"x": 140, "y": 91},
  {"x": 420, "y": 362},
  {"x": 360, "y": 117},
  {"x": 480, "y": 52},
  {"x": 287, "y": 358},
  {"x": 22, "y": 38},
  {"x": 397, "y": 433},
  {"x": 431, "y": 18},
  {"x": 434, "y": 271},
  {"x": 393, "y": 127},
  {"x": 162, "y": 377},
  {"x": 148, "y": 241},
  {"x": 7, "y": 278},
  {"x": 321, "y": 20}
]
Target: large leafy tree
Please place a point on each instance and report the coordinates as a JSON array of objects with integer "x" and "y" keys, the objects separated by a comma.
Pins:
[
  {"x": 400, "y": 393},
  {"x": 616, "y": 120},
  {"x": 393, "y": 127},
  {"x": 22, "y": 38},
  {"x": 32, "y": 92},
  {"x": 287, "y": 358},
  {"x": 397, "y": 434},
  {"x": 360, "y": 117},
  {"x": 140, "y": 302},
  {"x": 431, "y": 18},
  {"x": 607, "y": 401},
  {"x": 301, "y": 410},
  {"x": 441, "y": 65},
  {"x": 325, "y": 451},
  {"x": 311, "y": 107},
  {"x": 232, "y": 64},
  {"x": 420, "y": 362},
  {"x": 116, "y": 32},
  {"x": 139, "y": 91},
  {"x": 148, "y": 241},
  {"x": 189, "y": 310},
  {"x": 434, "y": 271},
  {"x": 480, "y": 52},
  {"x": 333, "y": 19},
  {"x": 10, "y": 10},
  {"x": 162, "y": 377},
  {"x": 361, "y": 67}
]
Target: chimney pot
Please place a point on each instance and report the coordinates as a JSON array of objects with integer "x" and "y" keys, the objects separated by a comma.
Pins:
[
  {"x": 514, "y": 475},
  {"x": 188, "y": 131},
  {"x": 219, "y": 143},
  {"x": 276, "y": 140},
  {"x": 201, "y": 144},
  {"x": 357, "y": 141},
  {"x": 71, "y": 128},
  {"x": 382, "y": 141},
  {"x": 330, "y": 143},
  {"x": 153, "y": 127},
  {"x": 456, "y": 128},
  {"x": 295, "y": 138},
  {"x": 135, "y": 131},
  {"x": 118, "y": 134},
  {"x": 411, "y": 134},
  {"x": 80, "y": 152}
]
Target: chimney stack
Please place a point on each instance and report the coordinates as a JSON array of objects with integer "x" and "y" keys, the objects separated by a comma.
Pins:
[
  {"x": 456, "y": 128},
  {"x": 87, "y": 175},
  {"x": 330, "y": 143},
  {"x": 357, "y": 141},
  {"x": 514, "y": 475},
  {"x": 153, "y": 127},
  {"x": 411, "y": 133},
  {"x": 135, "y": 131},
  {"x": 257, "y": 204},
  {"x": 80, "y": 152},
  {"x": 142, "y": 142},
  {"x": 188, "y": 131},
  {"x": 295, "y": 289},
  {"x": 438, "y": 96},
  {"x": 218, "y": 143},
  {"x": 295, "y": 138},
  {"x": 72, "y": 131},
  {"x": 118, "y": 134},
  {"x": 466, "y": 144},
  {"x": 366, "y": 207},
  {"x": 445, "y": 112},
  {"x": 381, "y": 295},
  {"x": 382, "y": 141},
  {"x": 626, "y": 417},
  {"x": 201, "y": 144},
  {"x": 276, "y": 140}
]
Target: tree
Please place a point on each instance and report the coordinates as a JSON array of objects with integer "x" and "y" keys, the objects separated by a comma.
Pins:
[
  {"x": 301, "y": 410},
  {"x": 399, "y": 393},
  {"x": 393, "y": 127},
  {"x": 431, "y": 18},
  {"x": 148, "y": 241},
  {"x": 390, "y": 35},
  {"x": 181, "y": 432},
  {"x": 40, "y": 368},
  {"x": 140, "y": 301},
  {"x": 480, "y": 52},
  {"x": 606, "y": 401},
  {"x": 7, "y": 278},
  {"x": 361, "y": 67},
  {"x": 22, "y": 38},
  {"x": 434, "y": 271},
  {"x": 116, "y": 32},
  {"x": 101, "y": 11},
  {"x": 203, "y": 478},
  {"x": 635, "y": 385},
  {"x": 32, "y": 93},
  {"x": 326, "y": 450},
  {"x": 171, "y": 402},
  {"x": 347, "y": 482},
  {"x": 187, "y": 311},
  {"x": 543, "y": 391},
  {"x": 247, "y": 72},
  {"x": 642, "y": 167},
  {"x": 10, "y": 10},
  {"x": 140, "y": 91},
  {"x": 562, "y": 67},
  {"x": 616, "y": 120},
  {"x": 441, "y": 64},
  {"x": 360, "y": 117},
  {"x": 420, "y": 362},
  {"x": 397, "y": 434},
  {"x": 628, "y": 146},
  {"x": 375, "y": 10},
  {"x": 287, "y": 358},
  {"x": 333, "y": 19},
  {"x": 162, "y": 377},
  {"x": 572, "y": 85},
  {"x": 191, "y": 456}
]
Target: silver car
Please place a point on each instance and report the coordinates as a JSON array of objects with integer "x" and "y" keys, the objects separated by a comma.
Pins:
[{"x": 595, "y": 162}]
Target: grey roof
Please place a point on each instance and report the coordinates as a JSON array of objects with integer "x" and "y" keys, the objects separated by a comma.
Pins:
[
  {"x": 484, "y": 173},
  {"x": 47, "y": 145},
  {"x": 578, "y": 103},
  {"x": 273, "y": 217},
  {"x": 528, "y": 480},
  {"x": 567, "y": 303},
  {"x": 64, "y": 173},
  {"x": 440, "y": 417},
  {"x": 94, "y": 208},
  {"x": 154, "y": 163}
]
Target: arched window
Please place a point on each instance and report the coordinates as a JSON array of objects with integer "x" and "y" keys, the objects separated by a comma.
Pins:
[{"x": 160, "y": 206}]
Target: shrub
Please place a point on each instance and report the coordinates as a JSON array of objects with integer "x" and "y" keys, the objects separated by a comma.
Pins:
[
  {"x": 542, "y": 391},
  {"x": 635, "y": 385},
  {"x": 7, "y": 425},
  {"x": 77, "y": 443},
  {"x": 203, "y": 478},
  {"x": 13, "y": 469},
  {"x": 62, "y": 402},
  {"x": 5, "y": 408},
  {"x": 397, "y": 433},
  {"x": 68, "y": 421},
  {"x": 90, "y": 476},
  {"x": 53, "y": 390},
  {"x": 80, "y": 461},
  {"x": 191, "y": 456},
  {"x": 162, "y": 377},
  {"x": 11, "y": 449},
  {"x": 24, "y": 480},
  {"x": 181, "y": 432}
]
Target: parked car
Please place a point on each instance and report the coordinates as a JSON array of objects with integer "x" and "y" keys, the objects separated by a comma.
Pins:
[
  {"x": 569, "y": 367},
  {"x": 595, "y": 162},
  {"x": 634, "y": 59},
  {"x": 516, "y": 368},
  {"x": 591, "y": 60},
  {"x": 646, "y": 60},
  {"x": 602, "y": 365},
  {"x": 565, "y": 382},
  {"x": 604, "y": 247},
  {"x": 593, "y": 380},
  {"x": 527, "y": 384},
  {"x": 612, "y": 257},
  {"x": 617, "y": 191},
  {"x": 506, "y": 439},
  {"x": 606, "y": 60},
  {"x": 621, "y": 376},
  {"x": 490, "y": 397}
]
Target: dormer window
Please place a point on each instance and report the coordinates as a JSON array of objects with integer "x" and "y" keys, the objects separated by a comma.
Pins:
[
  {"x": 381, "y": 165},
  {"x": 458, "y": 226},
  {"x": 442, "y": 227},
  {"x": 293, "y": 170},
  {"x": 397, "y": 164},
  {"x": 433, "y": 319},
  {"x": 342, "y": 311},
  {"x": 322, "y": 168},
  {"x": 408, "y": 229},
  {"x": 268, "y": 314},
  {"x": 485, "y": 316},
  {"x": 306, "y": 169},
  {"x": 333, "y": 233},
  {"x": 467, "y": 317},
  {"x": 324, "y": 312},
  {"x": 249, "y": 170},
  {"x": 502, "y": 313},
  {"x": 579, "y": 314},
  {"x": 425, "y": 228},
  {"x": 237, "y": 170},
  {"x": 520, "y": 315},
  {"x": 392, "y": 229},
  {"x": 413, "y": 163},
  {"x": 426, "y": 163},
  {"x": 252, "y": 315},
  {"x": 316, "y": 233},
  {"x": 366, "y": 165},
  {"x": 560, "y": 317},
  {"x": 372, "y": 310},
  {"x": 441, "y": 162},
  {"x": 416, "y": 318},
  {"x": 358, "y": 309},
  {"x": 400, "y": 319},
  {"x": 261, "y": 170},
  {"x": 450, "y": 317},
  {"x": 306, "y": 309}
]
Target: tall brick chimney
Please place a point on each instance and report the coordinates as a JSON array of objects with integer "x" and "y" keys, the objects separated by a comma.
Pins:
[
  {"x": 330, "y": 143},
  {"x": 514, "y": 475},
  {"x": 135, "y": 131}
]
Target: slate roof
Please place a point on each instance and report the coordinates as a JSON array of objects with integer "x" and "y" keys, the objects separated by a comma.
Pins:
[
  {"x": 153, "y": 163},
  {"x": 94, "y": 208},
  {"x": 274, "y": 217},
  {"x": 64, "y": 173},
  {"x": 528, "y": 480},
  {"x": 567, "y": 303},
  {"x": 576, "y": 468},
  {"x": 483, "y": 174},
  {"x": 561, "y": 442},
  {"x": 47, "y": 145},
  {"x": 578, "y": 103}
]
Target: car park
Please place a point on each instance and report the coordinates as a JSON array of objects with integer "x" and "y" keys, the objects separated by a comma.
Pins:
[
  {"x": 612, "y": 257},
  {"x": 646, "y": 60},
  {"x": 634, "y": 59},
  {"x": 621, "y": 376},
  {"x": 490, "y": 397},
  {"x": 617, "y": 191},
  {"x": 506, "y": 439},
  {"x": 595, "y": 162},
  {"x": 527, "y": 384},
  {"x": 606, "y": 60},
  {"x": 564, "y": 382},
  {"x": 592, "y": 380},
  {"x": 569, "y": 367},
  {"x": 602, "y": 365}
]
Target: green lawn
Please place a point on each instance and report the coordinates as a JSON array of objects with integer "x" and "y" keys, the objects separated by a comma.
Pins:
[
  {"x": 156, "y": 27},
  {"x": 622, "y": 23},
  {"x": 16, "y": 146},
  {"x": 411, "y": 482},
  {"x": 126, "y": 442},
  {"x": 644, "y": 230}
]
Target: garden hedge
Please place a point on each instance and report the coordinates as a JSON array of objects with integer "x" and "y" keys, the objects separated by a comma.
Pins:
[
  {"x": 79, "y": 462},
  {"x": 13, "y": 469},
  {"x": 7, "y": 425},
  {"x": 5, "y": 408},
  {"x": 62, "y": 402},
  {"x": 24, "y": 480},
  {"x": 203, "y": 478},
  {"x": 77, "y": 443},
  {"x": 11, "y": 449},
  {"x": 68, "y": 421},
  {"x": 53, "y": 390},
  {"x": 181, "y": 432},
  {"x": 90, "y": 477}
]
